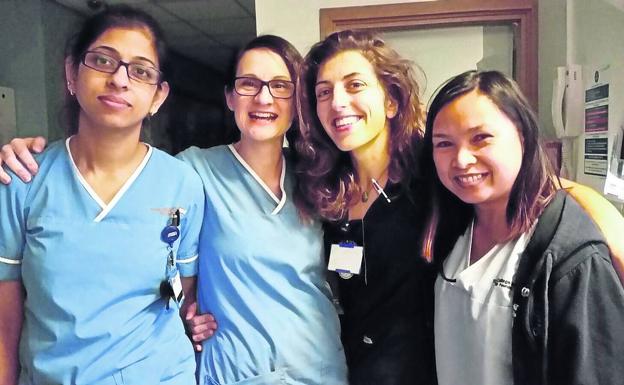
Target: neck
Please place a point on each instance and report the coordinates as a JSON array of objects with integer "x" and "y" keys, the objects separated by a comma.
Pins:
[
  {"x": 493, "y": 222},
  {"x": 104, "y": 150},
  {"x": 264, "y": 157},
  {"x": 372, "y": 159}
]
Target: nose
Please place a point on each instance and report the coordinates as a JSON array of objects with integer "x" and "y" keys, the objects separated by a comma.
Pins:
[
  {"x": 120, "y": 77},
  {"x": 464, "y": 157},
  {"x": 264, "y": 96},
  {"x": 340, "y": 98}
]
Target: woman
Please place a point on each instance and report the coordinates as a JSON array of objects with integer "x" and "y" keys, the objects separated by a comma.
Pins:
[
  {"x": 363, "y": 122},
  {"x": 97, "y": 304},
  {"x": 261, "y": 270},
  {"x": 382, "y": 344},
  {"x": 529, "y": 280},
  {"x": 362, "y": 129}
]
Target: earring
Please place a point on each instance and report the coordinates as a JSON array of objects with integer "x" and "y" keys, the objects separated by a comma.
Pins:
[{"x": 71, "y": 91}]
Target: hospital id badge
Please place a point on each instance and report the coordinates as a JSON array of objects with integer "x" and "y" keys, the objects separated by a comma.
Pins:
[
  {"x": 176, "y": 285},
  {"x": 345, "y": 259}
]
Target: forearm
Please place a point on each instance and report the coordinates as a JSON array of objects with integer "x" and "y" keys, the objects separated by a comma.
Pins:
[
  {"x": 11, "y": 318},
  {"x": 188, "y": 287}
]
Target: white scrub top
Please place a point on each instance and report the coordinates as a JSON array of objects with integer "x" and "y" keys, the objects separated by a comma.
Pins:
[
  {"x": 92, "y": 272},
  {"x": 473, "y": 315},
  {"x": 261, "y": 274}
]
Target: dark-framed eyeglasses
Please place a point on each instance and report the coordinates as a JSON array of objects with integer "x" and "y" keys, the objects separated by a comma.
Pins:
[
  {"x": 105, "y": 63},
  {"x": 248, "y": 86}
]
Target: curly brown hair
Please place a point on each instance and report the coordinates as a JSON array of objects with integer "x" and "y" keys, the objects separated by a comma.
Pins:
[{"x": 327, "y": 182}]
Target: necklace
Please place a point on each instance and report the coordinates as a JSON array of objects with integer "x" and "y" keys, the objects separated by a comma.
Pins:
[
  {"x": 365, "y": 193},
  {"x": 374, "y": 184}
]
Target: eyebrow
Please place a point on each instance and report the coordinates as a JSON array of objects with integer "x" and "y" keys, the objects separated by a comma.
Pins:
[
  {"x": 113, "y": 50},
  {"x": 352, "y": 74},
  {"x": 471, "y": 129},
  {"x": 278, "y": 77}
]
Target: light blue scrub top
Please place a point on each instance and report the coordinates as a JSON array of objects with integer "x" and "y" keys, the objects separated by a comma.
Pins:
[
  {"x": 261, "y": 273},
  {"x": 92, "y": 272}
]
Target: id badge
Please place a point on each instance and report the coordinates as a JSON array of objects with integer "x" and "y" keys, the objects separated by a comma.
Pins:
[
  {"x": 176, "y": 284},
  {"x": 345, "y": 259}
]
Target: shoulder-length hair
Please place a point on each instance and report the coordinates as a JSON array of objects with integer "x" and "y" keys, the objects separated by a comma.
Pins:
[
  {"x": 328, "y": 181},
  {"x": 535, "y": 184}
]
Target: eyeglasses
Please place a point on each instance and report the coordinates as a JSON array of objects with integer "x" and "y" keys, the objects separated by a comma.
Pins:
[
  {"x": 281, "y": 89},
  {"x": 104, "y": 63}
]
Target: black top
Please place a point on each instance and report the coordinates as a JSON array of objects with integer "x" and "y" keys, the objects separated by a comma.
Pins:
[
  {"x": 383, "y": 326},
  {"x": 569, "y": 302}
]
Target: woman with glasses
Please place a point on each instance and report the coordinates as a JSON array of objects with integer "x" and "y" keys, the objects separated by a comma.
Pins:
[
  {"x": 96, "y": 250},
  {"x": 261, "y": 271},
  {"x": 261, "y": 266}
]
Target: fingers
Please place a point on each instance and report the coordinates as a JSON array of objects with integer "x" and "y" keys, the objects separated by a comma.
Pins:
[
  {"x": 191, "y": 311},
  {"x": 38, "y": 144},
  {"x": 4, "y": 177},
  {"x": 202, "y": 327},
  {"x": 8, "y": 154},
  {"x": 11, "y": 162},
  {"x": 23, "y": 148},
  {"x": 199, "y": 327}
]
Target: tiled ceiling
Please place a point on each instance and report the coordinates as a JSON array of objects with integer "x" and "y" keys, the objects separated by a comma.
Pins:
[{"x": 208, "y": 31}]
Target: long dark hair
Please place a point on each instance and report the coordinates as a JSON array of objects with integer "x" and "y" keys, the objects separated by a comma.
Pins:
[
  {"x": 328, "y": 181},
  {"x": 535, "y": 184},
  {"x": 115, "y": 16}
]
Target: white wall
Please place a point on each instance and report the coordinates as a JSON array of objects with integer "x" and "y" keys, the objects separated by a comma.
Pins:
[
  {"x": 597, "y": 27},
  {"x": 298, "y": 20},
  {"x": 461, "y": 48},
  {"x": 551, "y": 54}
]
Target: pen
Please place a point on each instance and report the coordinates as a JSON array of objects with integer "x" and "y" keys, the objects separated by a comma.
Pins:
[{"x": 379, "y": 190}]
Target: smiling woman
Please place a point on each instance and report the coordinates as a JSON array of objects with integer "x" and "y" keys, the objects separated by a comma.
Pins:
[
  {"x": 522, "y": 268},
  {"x": 261, "y": 270},
  {"x": 68, "y": 230},
  {"x": 362, "y": 121}
]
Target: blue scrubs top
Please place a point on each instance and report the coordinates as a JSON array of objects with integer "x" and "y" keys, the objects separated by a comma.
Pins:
[
  {"x": 262, "y": 275},
  {"x": 92, "y": 271}
]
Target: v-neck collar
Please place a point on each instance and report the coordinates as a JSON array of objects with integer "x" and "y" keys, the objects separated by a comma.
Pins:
[
  {"x": 279, "y": 202},
  {"x": 106, "y": 208}
]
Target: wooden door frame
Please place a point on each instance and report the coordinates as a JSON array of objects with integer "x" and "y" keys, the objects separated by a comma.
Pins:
[{"x": 522, "y": 14}]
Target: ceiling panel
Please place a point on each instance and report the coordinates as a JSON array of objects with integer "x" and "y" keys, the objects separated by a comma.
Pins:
[
  {"x": 209, "y": 31},
  {"x": 219, "y": 58},
  {"x": 239, "y": 25},
  {"x": 249, "y": 5},
  {"x": 235, "y": 41},
  {"x": 204, "y": 9}
]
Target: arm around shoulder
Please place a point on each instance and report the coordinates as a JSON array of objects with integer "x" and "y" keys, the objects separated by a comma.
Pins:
[{"x": 606, "y": 217}]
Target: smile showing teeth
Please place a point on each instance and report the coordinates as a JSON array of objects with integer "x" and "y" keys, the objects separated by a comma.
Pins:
[
  {"x": 469, "y": 180},
  {"x": 346, "y": 121},
  {"x": 263, "y": 115}
]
